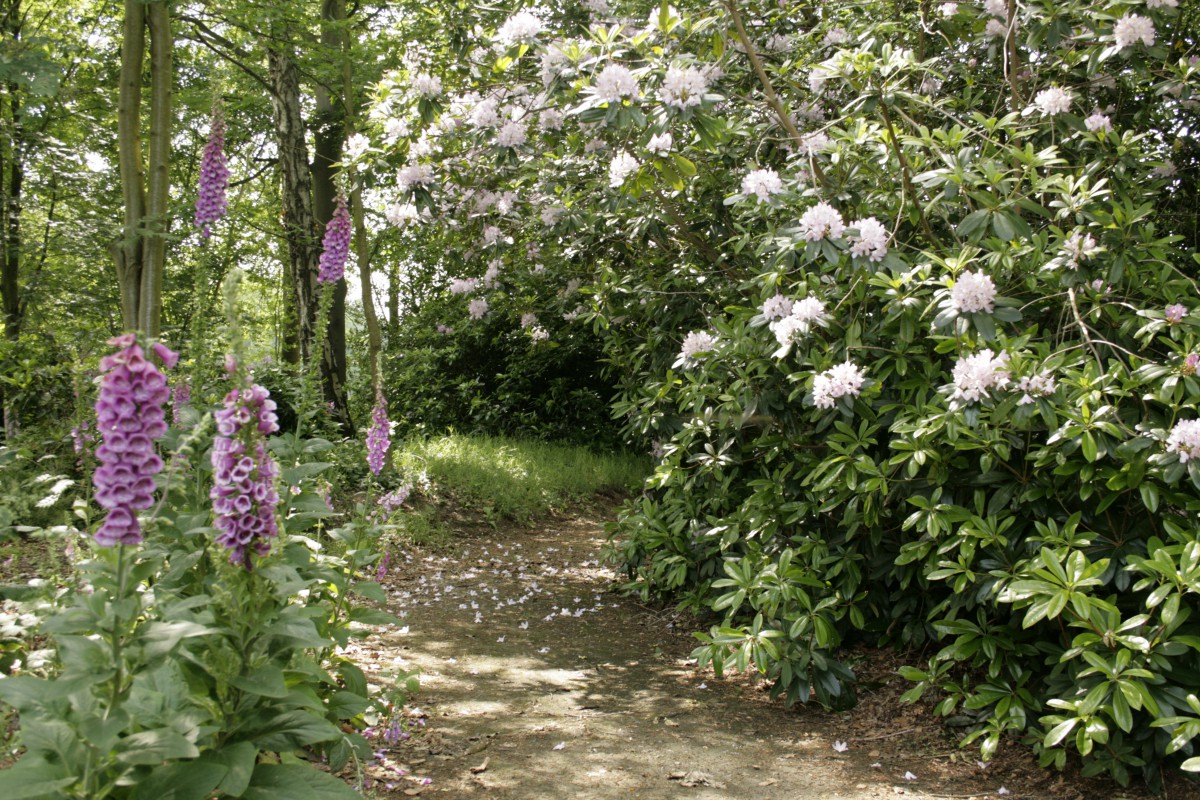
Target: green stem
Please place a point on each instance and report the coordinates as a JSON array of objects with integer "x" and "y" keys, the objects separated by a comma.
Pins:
[
  {"x": 118, "y": 634},
  {"x": 311, "y": 379}
]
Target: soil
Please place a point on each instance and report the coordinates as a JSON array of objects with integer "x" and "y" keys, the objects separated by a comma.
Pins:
[{"x": 538, "y": 681}]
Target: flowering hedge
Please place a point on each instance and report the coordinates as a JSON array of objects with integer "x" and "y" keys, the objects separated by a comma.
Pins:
[{"x": 900, "y": 302}]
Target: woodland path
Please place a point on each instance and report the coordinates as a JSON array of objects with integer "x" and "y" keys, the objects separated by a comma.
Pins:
[{"x": 539, "y": 683}]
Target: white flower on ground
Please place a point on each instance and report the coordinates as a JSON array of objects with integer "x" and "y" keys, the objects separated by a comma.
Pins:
[
  {"x": 972, "y": 293},
  {"x": 477, "y": 308},
  {"x": 622, "y": 165},
  {"x": 614, "y": 83},
  {"x": 976, "y": 376},
  {"x": 683, "y": 87},
  {"x": 840, "y": 746},
  {"x": 661, "y": 143},
  {"x": 1034, "y": 386},
  {"x": 844, "y": 380},
  {"x": 1052, "y": 101},
  {"x": 762, "y": 183},
  {"x": 776, "y": 307},
  {"x": 695, "y": 344},
  {"x": 1098, "y": 122},
  {"x": 521, "y": 27},
  {"x": 822, "y": 221},
  {"x": 1129, "y": 30},
  {"x": 871, "y": 240}
]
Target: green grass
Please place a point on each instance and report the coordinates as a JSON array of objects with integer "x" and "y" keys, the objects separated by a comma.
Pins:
[{"x": 516, "y": 479}]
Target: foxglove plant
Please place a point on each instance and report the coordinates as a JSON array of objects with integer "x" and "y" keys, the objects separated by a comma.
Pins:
[
  {"x": 243, "y": 494},
  {"x": 377, "y": 436},
  {"x": 336, "y": 244},
  {"x": 129, "y": 418},
  {"x": 211, "y": 203}
]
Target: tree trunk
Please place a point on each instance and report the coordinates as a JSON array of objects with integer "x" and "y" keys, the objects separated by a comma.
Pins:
[
  {"x": 299, "y": 227},
  {"x": 329, "y": 135},
  {"x": 12, "y": 177},
  {"x": 140, "y": 255}
]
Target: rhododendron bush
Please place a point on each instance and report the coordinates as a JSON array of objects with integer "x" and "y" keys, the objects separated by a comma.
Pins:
[{"x": 903, "y": 306}]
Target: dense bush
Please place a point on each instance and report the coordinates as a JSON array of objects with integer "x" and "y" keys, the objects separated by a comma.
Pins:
[
  {"x": 445, "y": 371},
  {"x": 914, "y": 329}
]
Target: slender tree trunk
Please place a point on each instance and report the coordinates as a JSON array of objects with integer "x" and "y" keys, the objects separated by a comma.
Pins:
[
  {"x": 12, "y": 178},
  {"x": 140, "y": 256},
  {"x": 329, "y": 136},
  {"x": 299, "y": 226}
]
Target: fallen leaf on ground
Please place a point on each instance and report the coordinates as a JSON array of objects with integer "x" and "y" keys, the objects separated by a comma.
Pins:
[
  {"x": 691, "y": 779},
  {"x": 481, "y": 768}
]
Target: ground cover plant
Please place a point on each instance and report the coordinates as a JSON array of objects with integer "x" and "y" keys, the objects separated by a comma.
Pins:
[{"x": 901, "y": 298}]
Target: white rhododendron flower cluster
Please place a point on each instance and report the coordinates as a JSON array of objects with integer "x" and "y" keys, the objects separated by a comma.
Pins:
[
  {"x": 1184, "y": 439},
  {"x": 973, "y": 293},
  {"x": 762, "y": 183},
  {"x": 976, "y": 376},
  {"x": 695, "y": 345},
  {"x": 844, "y": 380}
]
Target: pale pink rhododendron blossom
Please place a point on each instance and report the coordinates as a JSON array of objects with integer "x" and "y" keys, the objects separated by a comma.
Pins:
[
  {"x": 401, "y": 215},
  {"x": 463, "y": 285},
  {"x": 762, "y": 183},
  {"x": 972, "y": 293},
  {"x": 1098, "y": 122},
  {"x": 1134, "y": 28},
  {"x": 948, "y": 10},
  {"x": 1162, "y": 3},
  {"x": 822, "y": 221},
  {"x": 413, "y": 175},
  {"x": 511, "y": 134},
  {"x": 1078, "y": 247},
  {"x": 614, "y": 83},
  {"x": 538, "y": 334},
  {"x": 776, "y": 307},
  {"x": 996, "y": 28},
  {"x": 813, "y": 143},
  {"x": 683, "y": 87},
  {"x": 1184, "y": 439},
  {"x": 1035, "y": 386},
  {"x": 870, "y": 241},
  {"x": 551, "y": 119},
  {"x": 1175, "y": 313},
  {"x": 1053, "y": 101},
  {"x": 528, "y": 319},
  {"x": 130, "y": 417},
  {"x": 997, "y": 8},
  {"x": 660, "y": 144},
  {"x": 695, "y": 344},
  {"x": 621, "y": 167},
  {"x": 522, "y": 27},
  {"x": 357, "y": 146},
  {"x": 844, "y": 380},
  {"x": 801, "y": 317},
  {"x": 977, "y": 375},
  {"x": 477, "y": 308},
  {"x": 492, "y": 275},
  {"x": 427, "y": 85}
]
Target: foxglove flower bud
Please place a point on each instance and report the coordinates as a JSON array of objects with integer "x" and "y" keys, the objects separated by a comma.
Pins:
[
  {"x": 214, "y": 177},
  {"x": 243, "y": 494},
  {"x": 336, "y": 244},
  {"x": 129, "y": 418}
]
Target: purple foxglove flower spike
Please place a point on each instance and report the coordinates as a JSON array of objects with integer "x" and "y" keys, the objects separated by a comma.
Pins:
[
  {"x": 129, "y": 418},
  {"x": 214, "y": 177},
  {"x": 243, "y": 494},
  {"x": 377, "y": 436},
  {"x": 336, "y": 244}
]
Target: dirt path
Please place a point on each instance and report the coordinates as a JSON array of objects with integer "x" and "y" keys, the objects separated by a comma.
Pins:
[{"x": 536, "y": 682}]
